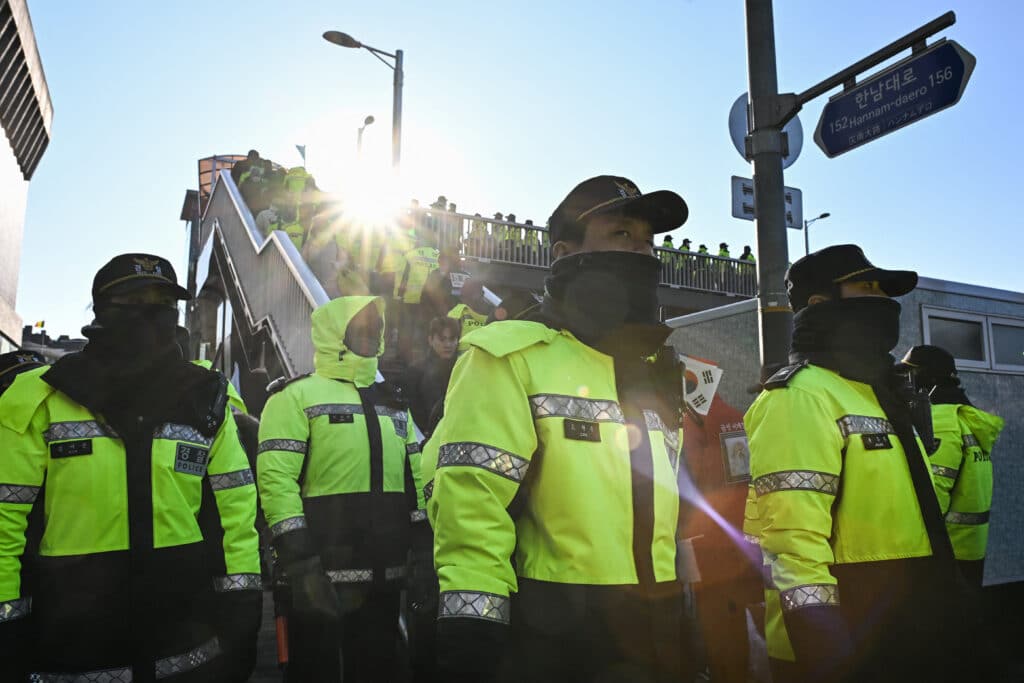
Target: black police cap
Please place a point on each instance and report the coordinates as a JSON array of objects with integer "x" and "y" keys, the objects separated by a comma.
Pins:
[
  {"x": 17, "y": 362},
  {"x": 822, "y": 270},
  {"x": 932, "y": 360},
  {"x": 129, "y": 272},
  {"x": 664, "y": 210}
]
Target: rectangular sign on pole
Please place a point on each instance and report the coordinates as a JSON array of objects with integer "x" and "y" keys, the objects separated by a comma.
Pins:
[
  {"x": 743, "y": 202},
  {"x": 908, "y": 91}
]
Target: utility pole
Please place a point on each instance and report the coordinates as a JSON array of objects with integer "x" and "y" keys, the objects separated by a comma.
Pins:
[{"x": 766, "y": 146}]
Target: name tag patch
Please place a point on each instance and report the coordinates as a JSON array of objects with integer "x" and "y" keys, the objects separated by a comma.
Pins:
[
  {"x": 876, "y": 442},
  {"x": 581, "y": 430},
  {"x": 342, "y": 418},
  {"x": 67, "y": 449},
  {"x": 191, "y": 459}
]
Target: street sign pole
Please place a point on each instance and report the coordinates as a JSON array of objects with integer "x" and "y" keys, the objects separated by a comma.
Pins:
[{"x": 775, "y": 318}]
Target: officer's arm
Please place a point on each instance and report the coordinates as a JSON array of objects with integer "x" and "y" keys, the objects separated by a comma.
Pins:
[
  {"x": 22, "y": 470},
  {"x": 240, "y": 589},
  {"x": 485, "y": 443},
  {"x": 970, "y": 501},
  {"x": 284, "y": 438},
  {"x": 946, "y": 464},
  {"x": 796, "y": 466},
  {"x": 414, "y": 456}
]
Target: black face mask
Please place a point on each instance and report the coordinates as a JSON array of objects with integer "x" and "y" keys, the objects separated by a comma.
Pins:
[
  {"x": 866, "y": 325},
  {"x": 596, "y": 293},
  {"x": 133, "y": 333}
]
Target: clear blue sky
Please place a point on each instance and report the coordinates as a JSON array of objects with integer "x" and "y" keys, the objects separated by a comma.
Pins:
[{"x": 507, "y": 106}]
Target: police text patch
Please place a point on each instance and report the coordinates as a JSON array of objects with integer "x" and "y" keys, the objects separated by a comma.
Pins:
[
  {"x": 581, "y": 430},
  {"x": 876, "y": 442},
  {"x": 191, "y": 459},
  {"x": 67, "y": 449},
  {"x": 342, "y": 418}
]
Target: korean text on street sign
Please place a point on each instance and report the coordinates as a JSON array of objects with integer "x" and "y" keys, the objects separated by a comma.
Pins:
[
  {"x": 916, "y": 87},
  {"x": 743, "y": 202}
]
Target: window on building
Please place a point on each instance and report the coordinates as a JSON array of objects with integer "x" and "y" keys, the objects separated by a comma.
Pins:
[
  {"x": 1007, "y": 345},
  {"x": 978, "y": 342}
]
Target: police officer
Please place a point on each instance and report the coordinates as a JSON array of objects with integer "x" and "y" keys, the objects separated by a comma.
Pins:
[
  {"x": 336, "y": 470},
  {"x": 554, "y": 500},
  {"x": 849, "y": 524},
  {"x": 148, "y": 565},
  {"x": 16, "y": 362},
  {"x": 962, "y": 461}
]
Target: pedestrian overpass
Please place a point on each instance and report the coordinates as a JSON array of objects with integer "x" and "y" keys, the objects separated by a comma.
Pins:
[{"x": 254, "y": 294}]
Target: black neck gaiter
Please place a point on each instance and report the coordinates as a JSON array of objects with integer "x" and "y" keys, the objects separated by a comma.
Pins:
[
  {"x": 598, "y": 295},
  {"x": 851, "y": 336}
]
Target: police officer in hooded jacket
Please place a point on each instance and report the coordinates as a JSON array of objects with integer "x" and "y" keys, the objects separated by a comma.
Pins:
[
  {"x": 553, "y": 473},
  {"x": 337, "y": 468},
  {"x": 126, "y": 460},
  {"x": 962, "y": 460}
]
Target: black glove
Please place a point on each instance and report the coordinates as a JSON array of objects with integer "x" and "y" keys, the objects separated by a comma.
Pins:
[
  {"x": 469, "y": 650},
  {"x": 422, "y": 584},
  {"x": 822, "y": 644},
  {"x": 238, "y": 617},
  {"x": 313, "y": 596}
]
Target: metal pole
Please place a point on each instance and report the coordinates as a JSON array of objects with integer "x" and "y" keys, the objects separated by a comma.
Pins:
[
  {"x": 359, "y": 143},
  {"x": 396, "y": 114},
  {"x": 807, "y": 239},
  {"x": 775, "y": 317}
]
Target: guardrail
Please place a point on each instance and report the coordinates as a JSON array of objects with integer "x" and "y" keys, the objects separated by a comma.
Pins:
[
  {"x": 487, "y": 239},
  {"x": 276, "y": 287}
]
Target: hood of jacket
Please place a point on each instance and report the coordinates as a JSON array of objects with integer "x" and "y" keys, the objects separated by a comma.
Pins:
[
  {"x": 332, "y": 358},
  {"x": 984, "y": 426}
]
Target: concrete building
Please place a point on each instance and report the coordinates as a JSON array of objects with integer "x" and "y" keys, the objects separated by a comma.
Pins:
[{"x": 25, "y": 116}]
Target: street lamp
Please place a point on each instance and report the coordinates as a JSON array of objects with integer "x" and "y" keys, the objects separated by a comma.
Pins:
[
  {"x": 359, "y": 137},
  {"x": 807, "y": 225},
  {"x": 345, "y": 40}
]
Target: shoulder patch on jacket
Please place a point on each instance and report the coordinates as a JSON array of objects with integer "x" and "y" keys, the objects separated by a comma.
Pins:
[
  {"x": 281, "y": 382},
  {"x": 508, "y": 336},
  {"x": 20, "y": 401},
  {"x": 783, "y": 375}
]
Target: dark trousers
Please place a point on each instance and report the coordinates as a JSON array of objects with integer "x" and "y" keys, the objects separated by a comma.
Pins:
[
  {"x": 598, "y": 634},
  {"x": 361, "y": 649}
]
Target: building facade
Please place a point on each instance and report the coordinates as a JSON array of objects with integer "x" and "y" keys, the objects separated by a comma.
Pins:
[{"x": 26, "y": 114}]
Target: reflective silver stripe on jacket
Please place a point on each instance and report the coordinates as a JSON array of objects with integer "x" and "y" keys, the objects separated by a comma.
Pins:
[
  {"x": 15, "y": 609},
  {"x": 864, "y": 424},
  {"x": 399, "y": 418},
  {"x": 333, "y": 409},
  {"x": 428, "y": 490},
  {"x": 947, "y": 472},
  {"x": 751, "y": 538},
  {"x": 238, "y": 582},
  {"x": 480, "y": 455},
  {"x": 363, "y": 575},
  {"x": 655, "y": 423},
  {"x": 15, "y": 493},
  {"x": 576, "y": 408},
  {"x": 797, "y": 480},
  {"x": 476, "y": 605},
  {"x": 971, "y": 441},
  {"x": 418, "y": 516},
  {"x": 176, "y": 432},
  {"x": 292, "y": 445},
  {"x": 231, "y": 480},
  {"x": 87, "y": 429},
  {"x": 119, "y": 675},
  {"x": 809, "y": 596},
  {"x": 187, "y": 661},
  {"x": 970, "y": 518},
  {"x": 286, "y": 525},
  {"x": 411, "y": 448}
]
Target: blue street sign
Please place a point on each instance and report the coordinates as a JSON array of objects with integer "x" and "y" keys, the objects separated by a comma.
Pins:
[{"x": 916, "y": 87}]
